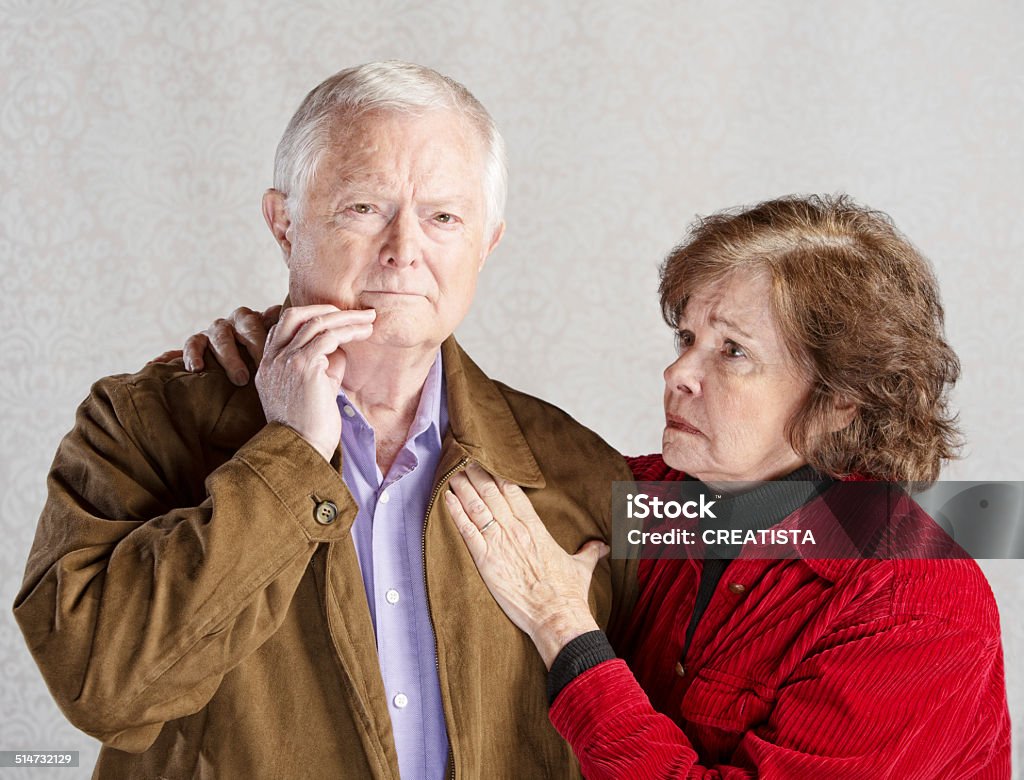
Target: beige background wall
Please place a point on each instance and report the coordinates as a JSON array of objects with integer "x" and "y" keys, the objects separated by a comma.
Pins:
[{"x": 137, "y": 137}]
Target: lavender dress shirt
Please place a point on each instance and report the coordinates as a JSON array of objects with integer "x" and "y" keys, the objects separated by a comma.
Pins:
[{"x": 388, "y": 536}]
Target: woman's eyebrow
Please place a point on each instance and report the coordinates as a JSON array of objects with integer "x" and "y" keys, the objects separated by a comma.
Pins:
[{"x": 716, "y": 319}]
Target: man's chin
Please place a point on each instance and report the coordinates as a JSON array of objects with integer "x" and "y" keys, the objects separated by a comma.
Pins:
[{"x": 391, "y": 329}]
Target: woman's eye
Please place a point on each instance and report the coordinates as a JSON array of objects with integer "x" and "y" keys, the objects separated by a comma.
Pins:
[
  {"x": 684, "y": 339},
  {"x": 361, "y": 208},
  {"x": 445, "y": 218},
  {"x": 733, "y": 350}
]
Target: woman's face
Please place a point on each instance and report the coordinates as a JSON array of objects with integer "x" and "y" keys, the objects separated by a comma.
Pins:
[{"x": 733, "y": 388}]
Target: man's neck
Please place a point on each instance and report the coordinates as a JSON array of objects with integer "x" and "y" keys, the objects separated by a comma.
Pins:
[{"x": 385, "y": 385}]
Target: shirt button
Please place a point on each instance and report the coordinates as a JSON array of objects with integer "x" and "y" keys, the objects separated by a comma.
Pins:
[
  {"x": 325, "y": 513},
  {"x": 680, "y": 669},
  {"x": 349, "y": 411},
  {"x": 392, "y": 596},
  {"x": 737, "y": 587},
  {"x": 384, "y": 497},
  {"x": 400, "y": 700}
]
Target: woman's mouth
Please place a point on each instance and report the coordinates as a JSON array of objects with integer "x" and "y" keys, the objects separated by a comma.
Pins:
[{"x": 680, "y": 424}]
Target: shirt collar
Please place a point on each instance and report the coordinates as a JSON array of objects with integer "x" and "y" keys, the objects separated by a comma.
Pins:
[{"x": 431, "y": 416}]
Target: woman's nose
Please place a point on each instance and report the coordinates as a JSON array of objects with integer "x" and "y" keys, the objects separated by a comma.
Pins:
[{"x": 686, "y": 373}]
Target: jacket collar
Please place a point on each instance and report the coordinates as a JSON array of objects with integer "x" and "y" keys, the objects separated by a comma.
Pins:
[{"x": 481, "y": 422}]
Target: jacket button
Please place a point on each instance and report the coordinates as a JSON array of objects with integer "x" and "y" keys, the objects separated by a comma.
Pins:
[
  {"x": 325, "y": 513},
  {"x": 680, "y": 669},
  {"x": 737, "y": 587}
]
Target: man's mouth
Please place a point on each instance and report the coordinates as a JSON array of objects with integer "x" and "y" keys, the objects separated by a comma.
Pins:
[{"x": 372, "y": 299}]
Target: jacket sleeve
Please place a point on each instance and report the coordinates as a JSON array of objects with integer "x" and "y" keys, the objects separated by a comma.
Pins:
[
  {"x": 143, "y": 587},
  {"x": 887, "y": 700}
]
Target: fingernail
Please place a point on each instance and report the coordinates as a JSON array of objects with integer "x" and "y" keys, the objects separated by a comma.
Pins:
[
  {"x": 188, "y": 363},
  {"x": 240, "y": 377}
]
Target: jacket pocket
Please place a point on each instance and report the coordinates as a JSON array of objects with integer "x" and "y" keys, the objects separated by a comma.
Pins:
[{"x": 726, "y": 701}]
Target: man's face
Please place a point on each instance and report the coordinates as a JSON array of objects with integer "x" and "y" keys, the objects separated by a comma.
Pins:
[{"x": 395, "y": 220}]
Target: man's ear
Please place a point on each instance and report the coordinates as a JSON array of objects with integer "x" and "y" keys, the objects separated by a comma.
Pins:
[
  {"x": 275, "y": 213},
  {"x": 499, "y": 231}
]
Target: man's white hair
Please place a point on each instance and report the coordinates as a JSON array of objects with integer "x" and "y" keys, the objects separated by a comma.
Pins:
[{"x": 393, "y": 86}]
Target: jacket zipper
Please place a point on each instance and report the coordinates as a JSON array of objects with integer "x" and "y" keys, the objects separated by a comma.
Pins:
[{"x": 426, "y": 589}]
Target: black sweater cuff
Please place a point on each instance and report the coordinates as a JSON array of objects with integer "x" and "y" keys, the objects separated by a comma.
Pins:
[{"x": 584, "y": 652}]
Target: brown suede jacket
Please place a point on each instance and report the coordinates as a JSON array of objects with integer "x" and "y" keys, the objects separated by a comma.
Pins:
[{"x": 189, "y": 608}]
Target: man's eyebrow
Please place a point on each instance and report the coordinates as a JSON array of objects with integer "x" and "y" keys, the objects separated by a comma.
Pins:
[
  {"x": 347, "y": 190},
  {"x": 445, "y": 201}
]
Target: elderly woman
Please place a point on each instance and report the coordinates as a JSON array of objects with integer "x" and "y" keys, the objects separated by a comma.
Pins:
[{"x": 810, "y": 347}]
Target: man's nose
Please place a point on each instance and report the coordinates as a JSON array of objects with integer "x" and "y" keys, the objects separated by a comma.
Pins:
[
  {"x": 403, "y": 241},
  {"x": 685, "y": 374}
]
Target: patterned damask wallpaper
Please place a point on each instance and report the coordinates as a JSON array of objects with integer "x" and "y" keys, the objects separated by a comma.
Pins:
[{"x": 137, "y": 138}]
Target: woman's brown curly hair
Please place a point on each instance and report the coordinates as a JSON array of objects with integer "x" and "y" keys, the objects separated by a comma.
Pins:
[{"x": 858, "y": 307}]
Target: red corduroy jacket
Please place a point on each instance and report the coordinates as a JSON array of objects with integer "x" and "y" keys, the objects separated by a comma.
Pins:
[{"x": 798, "y": 668}]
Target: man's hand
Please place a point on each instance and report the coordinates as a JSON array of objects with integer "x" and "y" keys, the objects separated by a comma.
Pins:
[
  {"x": 302, "y": 368},
  {"x": 243, "y": 327}
]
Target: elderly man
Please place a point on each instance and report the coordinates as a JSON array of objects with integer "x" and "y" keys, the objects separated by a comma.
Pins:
[{"x": 260, "y": 581}]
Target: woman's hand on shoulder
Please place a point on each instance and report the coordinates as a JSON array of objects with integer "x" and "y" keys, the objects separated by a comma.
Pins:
[
  {"x": 243, "y": 329},
  {"x": 542, "y": 588}
]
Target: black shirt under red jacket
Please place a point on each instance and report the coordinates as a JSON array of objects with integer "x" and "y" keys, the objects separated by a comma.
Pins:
[{"x": 799, "y": 668}]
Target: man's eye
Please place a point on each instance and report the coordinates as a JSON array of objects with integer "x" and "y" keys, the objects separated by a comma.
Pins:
[
  {"x": 361, "y": 208},
  {"x": 444, "y": 218},
  {"x": 733, "y": 350}
]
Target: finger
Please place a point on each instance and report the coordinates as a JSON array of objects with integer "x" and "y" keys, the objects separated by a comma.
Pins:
[
  {"x": 591, "y": 552},
  {"x": 336, "y": 365},
  {"x": 487, "y": 488},
  {"x": 519, "y": 503},
  {"x": 323, "y": 344},
  {"x": 471, "y": 502},
  {"x": 321, "y": 356},
  {"x": 166, "y": 357},
  {"x": 195, "y": 346},
  {"x": 225, "y": 348},
  {"x": 471, "y": 535},
  {"x": 336, "y": 320},
  {"x": 242, "y": 313},
  {"x": 250, "y": 330},
  {"x": 295, "y": 317},
  {"x": 271, "y": 315}
]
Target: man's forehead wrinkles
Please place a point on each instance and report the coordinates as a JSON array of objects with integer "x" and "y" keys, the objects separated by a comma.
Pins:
[
  {"x": 360, "y": 178},
  {"x": 432, "y": 186}
]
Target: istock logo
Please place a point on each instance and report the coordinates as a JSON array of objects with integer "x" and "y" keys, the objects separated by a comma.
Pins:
[{"x": 641, "y": 506}]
